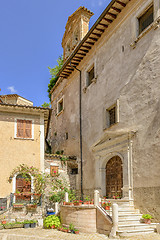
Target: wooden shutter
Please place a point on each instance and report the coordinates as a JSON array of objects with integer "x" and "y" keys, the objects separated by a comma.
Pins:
[
  {"x": 20, "y": 130},
  {"x": 28, "y": 128},
  {"x": 24, "y": 128}
]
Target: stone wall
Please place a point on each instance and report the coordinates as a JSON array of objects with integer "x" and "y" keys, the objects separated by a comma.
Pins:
[
  {"x": 126, "y": 72},
  {"x": 64, "y": 167},
  {"x": 83, "y": 218}
]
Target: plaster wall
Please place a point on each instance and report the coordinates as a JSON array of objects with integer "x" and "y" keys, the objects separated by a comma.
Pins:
[
  {"x": 14, "y": 151},
  {"x": 125, "y": 73}
]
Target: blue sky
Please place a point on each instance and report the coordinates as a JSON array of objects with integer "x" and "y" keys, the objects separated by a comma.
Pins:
[{"x": 31, "y": 32}]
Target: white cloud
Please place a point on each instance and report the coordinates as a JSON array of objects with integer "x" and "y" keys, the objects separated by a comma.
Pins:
[{"x": 12, "y": 89}]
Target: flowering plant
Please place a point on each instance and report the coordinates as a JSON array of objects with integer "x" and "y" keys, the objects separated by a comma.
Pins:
[
  {"x": 77, "y": 201},
  {"x": 106, "y": 204}
]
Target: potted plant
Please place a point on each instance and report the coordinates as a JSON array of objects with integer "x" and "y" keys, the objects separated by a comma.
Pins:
[
  {"x": 64, "y": 229},
  {"x": 17, "y": 193},
  {"x": 71, "y": 228},
  {"x": 92, "y": 201},
  {"x": 3, "y": 221},
  {"x": 17, "y": 224},
  {"x": 33, "y": 223},
  {"x": 147, "y": 218},
  {"x": 51, "y": 220},
  {"x": 8, "y": 226},
  {"x": 26, "y": 224},
  {"x": 76, "y": 231},
  {"x": 77, "y": 202},
  {"x": 106, "y": 205},
  {"x": 31, "y": 206},
  {"x": 1, "y": 226},
  {"x": 87, "y": 200},
  {"x": 18, "y": 205},
  {"x": 68, "y": 203}
]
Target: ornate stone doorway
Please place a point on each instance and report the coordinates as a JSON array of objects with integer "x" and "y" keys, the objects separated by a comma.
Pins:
[{"x": 114, "y": 177}]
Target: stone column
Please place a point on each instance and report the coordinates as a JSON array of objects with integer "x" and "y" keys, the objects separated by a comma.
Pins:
[
  {"x": 56, "y": 208},
  {"x": 66, "y": 197},
  {"x": 115, "y": 220},
  {"x": 96, "y": 198}
]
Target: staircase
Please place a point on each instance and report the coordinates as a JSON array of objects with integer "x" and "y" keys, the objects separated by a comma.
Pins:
[{"x": 129, "y": 219}]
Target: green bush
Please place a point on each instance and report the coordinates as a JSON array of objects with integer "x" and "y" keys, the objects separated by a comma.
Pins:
[
  {"x": 147, "y": 216},
  {"x": 49, "y": 221}
]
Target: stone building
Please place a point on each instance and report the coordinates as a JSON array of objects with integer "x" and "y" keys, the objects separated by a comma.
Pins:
[
  {"x": 117, "y": 64},
  {"x": 23, "y": 130}
]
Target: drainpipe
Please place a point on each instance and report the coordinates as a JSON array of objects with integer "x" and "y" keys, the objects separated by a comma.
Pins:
[{"x": 80, "y": 124}]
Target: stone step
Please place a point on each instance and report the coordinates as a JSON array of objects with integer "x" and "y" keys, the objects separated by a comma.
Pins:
[
  {"x": 129, "y": 221},
  {"x": 137, "y": 226},
  {"x": 134, "y": 232},
  {"x": 128, "y": 215},
  {"x": 121, "y": 211}
]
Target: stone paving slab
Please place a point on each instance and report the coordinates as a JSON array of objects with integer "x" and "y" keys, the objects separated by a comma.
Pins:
[{"x": 46, "y": 234}]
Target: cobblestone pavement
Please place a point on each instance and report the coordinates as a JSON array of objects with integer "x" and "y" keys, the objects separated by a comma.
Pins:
[{"x": 45, "y": 234}]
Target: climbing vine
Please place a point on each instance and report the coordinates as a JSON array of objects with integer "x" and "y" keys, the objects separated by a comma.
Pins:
[
  {"x": 43, "y": 182},
  {"x": 54, "y": 71}
]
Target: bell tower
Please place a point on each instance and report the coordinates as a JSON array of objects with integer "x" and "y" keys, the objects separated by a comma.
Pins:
[{"x": 76, "y": 28}]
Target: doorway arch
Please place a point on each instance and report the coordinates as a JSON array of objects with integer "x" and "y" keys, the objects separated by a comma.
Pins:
[{"x": 114, "y": 177}]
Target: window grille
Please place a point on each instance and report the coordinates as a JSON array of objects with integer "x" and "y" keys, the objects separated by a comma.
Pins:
[
  {"x": 90, "y": 76},
  {"x": 112, "y": 116},
  {"x": 146, "y": 19}
]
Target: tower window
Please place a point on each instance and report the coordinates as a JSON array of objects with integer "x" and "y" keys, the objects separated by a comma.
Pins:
[{"x": 146, "y": 19}]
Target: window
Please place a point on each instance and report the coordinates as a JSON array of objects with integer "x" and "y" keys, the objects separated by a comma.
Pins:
[
  {"x": 146, "y": 19},
  {"x": 53, "y": 171},
  {"x": 111, "y": 115},
  {"x": 60, "y": 106},
  {"x": 24, "y": 128},
  {"x": 90, "y": 76}
]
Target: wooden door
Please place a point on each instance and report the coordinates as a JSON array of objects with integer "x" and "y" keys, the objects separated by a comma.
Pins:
[
  {"x": 114, "y": 177},
  {"x": 23, "y": 186}
]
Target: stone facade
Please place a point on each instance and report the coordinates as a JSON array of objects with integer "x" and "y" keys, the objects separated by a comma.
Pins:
[
  {"x": 126, "y": 78},
  {"x": 66, "y": 169}
]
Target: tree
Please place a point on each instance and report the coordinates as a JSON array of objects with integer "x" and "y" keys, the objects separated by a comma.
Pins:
[
  {"x": 46, "y": 105},
  {"x": 54, "y": 71}
]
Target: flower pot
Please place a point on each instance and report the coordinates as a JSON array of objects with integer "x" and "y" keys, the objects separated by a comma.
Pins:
[
  {"x": 8, "y": 226},
  {"x": 3, "y": 221},
  {"x": 86, "y": 203},
  {"x": 107, "y": 207},
  {"x": 76, "y": 232},
  {"x": 68, "y": 203},
  {"x": 32, "y": 225},
  {"x": 18, "y": 225},
  {"x": 26, "y": 225},
  {"x": 147, "y": 221},
  {"x": 31, "y": 207},
  {"x": 77, "y": 203},
  {"x": 18, "y": 206},
  {"x": 53, "y": 227}
]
